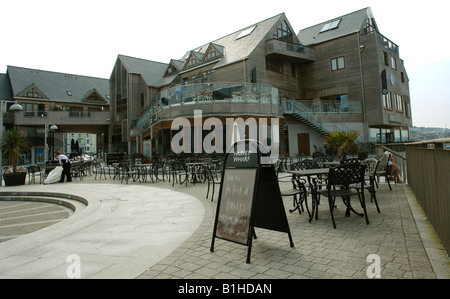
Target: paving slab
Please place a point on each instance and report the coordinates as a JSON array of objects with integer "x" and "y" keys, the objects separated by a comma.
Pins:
[{"x": 156, "y": 231}]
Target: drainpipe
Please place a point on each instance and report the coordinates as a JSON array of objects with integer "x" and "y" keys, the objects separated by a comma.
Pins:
[{"x": 366, "y": 125}]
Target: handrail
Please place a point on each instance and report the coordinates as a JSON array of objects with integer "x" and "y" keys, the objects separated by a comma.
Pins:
[
  {"x": 403, "y": 161},
  {"x": 306, "y": 112}
]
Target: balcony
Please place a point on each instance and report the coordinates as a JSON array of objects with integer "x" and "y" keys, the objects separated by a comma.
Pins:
[
  {"x": 66, "y": 120},
  {"x": 213, "y": 99},
  {"x": 290, "y": 51}
]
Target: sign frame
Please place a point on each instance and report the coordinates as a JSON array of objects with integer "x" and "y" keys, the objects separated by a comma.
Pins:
[{"x": 244, "y": 157}]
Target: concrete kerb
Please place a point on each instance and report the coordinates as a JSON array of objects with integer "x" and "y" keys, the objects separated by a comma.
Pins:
[{"x": 437, "y": 255}]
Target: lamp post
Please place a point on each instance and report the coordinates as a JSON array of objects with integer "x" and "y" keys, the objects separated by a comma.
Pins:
[
  {"x": 14, "y": 108},
  {"x": 50, "y": 128}
]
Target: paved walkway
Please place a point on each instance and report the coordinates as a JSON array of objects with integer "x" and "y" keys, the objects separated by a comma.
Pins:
[{"x": 151, "y": 230}]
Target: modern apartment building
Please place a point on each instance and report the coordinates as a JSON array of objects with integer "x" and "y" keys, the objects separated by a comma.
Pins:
[{"x": 342, "y": 74}]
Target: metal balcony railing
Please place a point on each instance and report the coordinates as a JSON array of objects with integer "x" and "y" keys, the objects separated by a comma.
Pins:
[
  {"x": 310, "y": 117},
  {"x": 228, "y": 94}
]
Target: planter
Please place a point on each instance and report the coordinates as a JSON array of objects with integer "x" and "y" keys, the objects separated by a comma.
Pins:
[{"x": 14, "y": 178}]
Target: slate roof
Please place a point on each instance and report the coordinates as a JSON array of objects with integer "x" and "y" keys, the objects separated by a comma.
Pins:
[
  {"x": 5, "y": 88},
  {"x": 56, "y": 86},
  {"x": 232, "y": 48},
  {"x": 151, "y": 71},
  {"x": 236, "y": 49},
  {"x": 350, "y": 23}
]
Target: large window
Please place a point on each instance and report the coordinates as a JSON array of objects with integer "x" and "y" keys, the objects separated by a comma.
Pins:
[
  {"x": 36, "y": 110},
  {"x": 338, "y": 103},
  {"x": 121, "y": 109},
  {"x": 284, "y": 33}
]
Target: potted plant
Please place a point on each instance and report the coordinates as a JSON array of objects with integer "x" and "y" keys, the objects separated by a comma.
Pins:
[
  {"x": 341, "y": 143},
  {"x": 13, "y": 145}
]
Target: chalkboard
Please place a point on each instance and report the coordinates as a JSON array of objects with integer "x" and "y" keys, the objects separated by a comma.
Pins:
[
  {"x": 234, "y": 212},
  {"x": 249, "y": 197}
]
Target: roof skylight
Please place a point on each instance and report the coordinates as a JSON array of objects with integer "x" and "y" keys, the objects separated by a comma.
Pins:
[
  {"x": 246, "y": 32},
  {"x": 331, "y": 25}
]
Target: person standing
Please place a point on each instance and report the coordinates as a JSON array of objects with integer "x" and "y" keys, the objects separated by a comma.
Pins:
[{"x": 65, "y": 163}]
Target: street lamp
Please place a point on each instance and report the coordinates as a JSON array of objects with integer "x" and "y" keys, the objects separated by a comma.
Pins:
[
  {"x": 52, "y": 128},
  {"x": 14, "y": 108}
]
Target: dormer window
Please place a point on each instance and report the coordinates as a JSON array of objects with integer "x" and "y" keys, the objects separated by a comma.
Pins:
[{"x": 172, "y": 69}]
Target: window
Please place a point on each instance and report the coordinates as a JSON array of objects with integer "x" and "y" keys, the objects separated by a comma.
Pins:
[
  {"x": 246, "y": 32},
  {"x": 393, "y": 63},
  {"x": 387, "y": 101},
  {"x": 274, "y": 65},
  {"x": 330, "y": 26},
  {"x": 338, "y": 103},
  {"x": 192, "y": 61},
  {"x": 407, "y": 110},
  {"x": 172, "y": 69},
  {"x": 39, "y": 110},
  {"x": 399, "y": 102},
  {"x": 371, "y": 27},
  {"x": 284, "y": 33},
  {"x": 121, "y": 109},
  {"x": 32, "y": 93},
  {"x": 211, "y": 54},
  {"x": 337, "y": 63},
  {"x": 386, "y": 58}
]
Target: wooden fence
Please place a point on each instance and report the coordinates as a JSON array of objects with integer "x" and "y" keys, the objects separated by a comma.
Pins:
[{"x": 429, "y": 178}]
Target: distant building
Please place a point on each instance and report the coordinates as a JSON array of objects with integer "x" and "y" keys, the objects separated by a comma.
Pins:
[
  {"x": 74, "y": 103},
  {"x": 85, "y": 143}
]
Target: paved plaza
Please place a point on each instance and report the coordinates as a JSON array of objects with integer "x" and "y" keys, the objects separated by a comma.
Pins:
[{"x": 156, "y": 231}]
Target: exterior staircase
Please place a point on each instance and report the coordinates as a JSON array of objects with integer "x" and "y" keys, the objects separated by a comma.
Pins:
[{"x": 306, "y": 116}]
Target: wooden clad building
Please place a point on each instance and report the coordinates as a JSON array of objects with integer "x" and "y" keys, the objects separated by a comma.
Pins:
[{"x": 342, "y": 74}]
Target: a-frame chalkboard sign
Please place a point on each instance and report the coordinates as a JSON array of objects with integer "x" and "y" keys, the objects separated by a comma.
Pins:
[{"x": 249, "y": 197}]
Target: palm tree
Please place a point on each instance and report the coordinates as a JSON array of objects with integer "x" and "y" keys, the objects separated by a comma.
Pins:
[
  {"x": 13, "y": 145},
  {"x": 341, "y": 143}
]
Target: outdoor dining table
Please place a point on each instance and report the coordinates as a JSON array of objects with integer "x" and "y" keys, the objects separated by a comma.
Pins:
[
  {"x": 317, "y": 172},
  {"x": 309, "y": 173}
]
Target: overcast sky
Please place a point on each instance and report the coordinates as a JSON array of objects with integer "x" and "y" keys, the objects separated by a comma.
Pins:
[{"x": 84, "y": 37}]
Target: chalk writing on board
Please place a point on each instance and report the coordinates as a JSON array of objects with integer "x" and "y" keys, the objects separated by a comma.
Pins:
[
  {"x": 236, "y": 204},
  {"x": 242, "y": 156}
]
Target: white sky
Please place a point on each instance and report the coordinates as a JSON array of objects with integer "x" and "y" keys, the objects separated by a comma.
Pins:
[{"x": 84, "y": 37}]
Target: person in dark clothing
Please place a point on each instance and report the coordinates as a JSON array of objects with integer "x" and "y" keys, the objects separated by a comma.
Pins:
[{"x": 65, "y": 163}]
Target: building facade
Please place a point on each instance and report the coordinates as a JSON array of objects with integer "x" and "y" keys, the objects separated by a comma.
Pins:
[
  {"x": 263, "y": 81},
  {"x": 342, "y": 74},
  {"x": 73, "y": 103}
]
